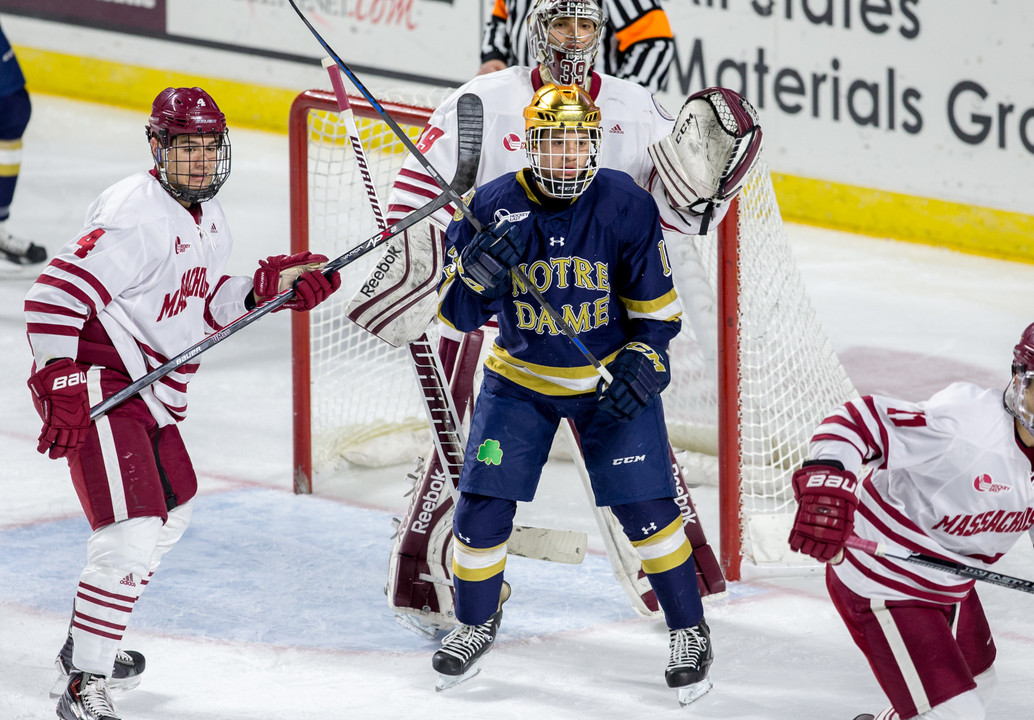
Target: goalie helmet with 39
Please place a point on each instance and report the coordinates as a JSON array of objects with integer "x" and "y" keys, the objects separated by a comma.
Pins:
[
  {"x": 560, "y": 38},
  {"x": 188, "y": 111}
]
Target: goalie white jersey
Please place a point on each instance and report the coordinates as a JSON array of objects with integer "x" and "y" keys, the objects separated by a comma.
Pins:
[
  {"x": 939, "y": 484},
  {"x": 141, "y": 282},
  {"x": 632, "y": 119}
]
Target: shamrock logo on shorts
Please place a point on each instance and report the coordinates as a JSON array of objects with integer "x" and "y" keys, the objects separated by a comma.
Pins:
[{"x": 489, "y": 452}]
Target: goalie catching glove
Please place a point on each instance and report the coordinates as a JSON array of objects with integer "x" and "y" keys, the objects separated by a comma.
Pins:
[
  {"x": 63, "y": 403},
  {"x": 484, "y": 265},
  {"x": 277, "y": 273},
  {"x": 826, "y": 502},
  {"x": 640, "y": 374},
  {"x": 713, "y": 146}
]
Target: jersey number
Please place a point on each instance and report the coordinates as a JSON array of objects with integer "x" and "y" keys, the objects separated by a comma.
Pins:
[
  {"x": 86, "y": 242},
  {"x": 427, "y": 139}
]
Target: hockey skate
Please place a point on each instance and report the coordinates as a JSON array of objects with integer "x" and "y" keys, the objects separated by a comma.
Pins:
[
  {"x": 86, "y": 697},
  {"x": 20, "y": 252},
  {"x": 125, "y": 675},
  {"x": 691, "y": 656},
  {"x": 462, "y": 651}
]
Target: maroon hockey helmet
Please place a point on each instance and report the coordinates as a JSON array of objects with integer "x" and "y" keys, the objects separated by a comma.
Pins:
[
  {"x": 188, "y": 111},
  {"x": 1016, "y": 396},
  {"x": 1023, "y": 353}
]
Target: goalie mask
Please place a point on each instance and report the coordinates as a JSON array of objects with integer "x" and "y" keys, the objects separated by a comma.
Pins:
[
  {"x": 564, "y": 36},
  {"x": 1017, "y": 398},
  {"x": 562, "y": 136},
  {"x": 190, "y": 143},
  {"x": 713, "y": 146}
]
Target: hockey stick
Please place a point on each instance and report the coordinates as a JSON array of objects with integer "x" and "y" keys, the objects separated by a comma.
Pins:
[
  {"x": 967, "y": 571},
  {"x": 454, "y": 197},
  {"x": 565, "y": 546},
  {"x": 103, "y": 407}
]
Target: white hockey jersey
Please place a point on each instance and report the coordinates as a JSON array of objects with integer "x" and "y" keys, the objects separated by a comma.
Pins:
[
  {"x": 947, "y": 477},
  {"x": 632, "y": 119},
  {"x": 150, "y": 273}
]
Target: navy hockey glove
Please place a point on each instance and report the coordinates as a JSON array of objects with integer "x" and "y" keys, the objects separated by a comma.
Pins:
[
  {"x": 640, "y": 374},
  {"x": 826, "y": 500},
  {"x": 484, "y": 265}
]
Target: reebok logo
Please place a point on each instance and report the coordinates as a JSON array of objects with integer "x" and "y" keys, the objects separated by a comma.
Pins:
[
  {"x": 392, "y": 256},
  {"x": 984, "y": 484},
  {"x": 181, "y": 246},
  {"x": 616, "y": 130}
]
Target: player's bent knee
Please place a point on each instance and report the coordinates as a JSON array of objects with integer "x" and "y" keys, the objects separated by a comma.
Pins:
[
  {"x": 124, "y": 547},
  {"x": 483, "y": 522}
]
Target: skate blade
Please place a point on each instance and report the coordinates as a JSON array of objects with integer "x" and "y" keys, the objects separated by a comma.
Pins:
[
  {"x": 445, "y": 682},
  {"x": 414, "y": 625},
  {"x": 692, "y": 693},
  {"x": 124, "y": 684}
]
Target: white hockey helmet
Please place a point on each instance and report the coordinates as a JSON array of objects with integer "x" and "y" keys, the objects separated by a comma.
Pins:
[
  {"x": 1017, "y": 398},
  {"x": 562, "y": 137},
  {"x": 568, "y": 54}
]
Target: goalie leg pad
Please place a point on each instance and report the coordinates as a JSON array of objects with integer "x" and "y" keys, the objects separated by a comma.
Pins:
[
  {"x": 655, "y": 530},
  {"x": 481, "y": 526},
  {"x": 396, "y": 301}
]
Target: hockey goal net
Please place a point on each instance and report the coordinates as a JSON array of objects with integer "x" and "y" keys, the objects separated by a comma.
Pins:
[{"x": 753, "y": 373}]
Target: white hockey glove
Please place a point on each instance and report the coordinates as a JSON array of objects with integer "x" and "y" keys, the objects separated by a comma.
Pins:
[{"x": 714, "y": 145}]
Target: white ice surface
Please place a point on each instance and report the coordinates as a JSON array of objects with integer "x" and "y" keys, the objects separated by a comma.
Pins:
[{"x": 272, "y": 606}]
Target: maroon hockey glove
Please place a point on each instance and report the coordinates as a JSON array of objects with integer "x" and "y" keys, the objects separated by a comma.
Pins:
[
  {"x": 826, "y": 501},
  {"x": 279, "y": 272},
  {"x": 60, "y": 396}
]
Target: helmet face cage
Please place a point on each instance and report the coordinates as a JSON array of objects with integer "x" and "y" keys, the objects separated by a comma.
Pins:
[
  {"x": 1016, "y": 398},
  {"x": 562, "y": 137},
  {"x": 568, "y": 57},
  {"x": 192, "y": 148}
]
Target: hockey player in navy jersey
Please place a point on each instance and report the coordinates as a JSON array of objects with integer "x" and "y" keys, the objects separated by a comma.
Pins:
[{"x": 590, "y": 240}]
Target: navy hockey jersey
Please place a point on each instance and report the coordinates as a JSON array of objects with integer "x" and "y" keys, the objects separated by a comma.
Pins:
[{"x": 600, "y": 262}]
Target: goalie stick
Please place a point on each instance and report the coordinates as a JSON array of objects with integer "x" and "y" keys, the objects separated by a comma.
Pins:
[
  {"x": 454, "y": 197},
  {"x": 878, "y": 549},
  {"x": 418, "y": 568},
  {"x": 105, "y": 406}
]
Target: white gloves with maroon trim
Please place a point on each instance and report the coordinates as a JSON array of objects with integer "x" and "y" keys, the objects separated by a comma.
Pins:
[
  {"x": 62, "y": 401},
  {"x": 826, "y": 501},
  {"x": 302, "y": 271}
]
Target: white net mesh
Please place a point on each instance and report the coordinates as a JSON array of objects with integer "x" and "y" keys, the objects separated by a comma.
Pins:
[{"x": 365, "y": 401}]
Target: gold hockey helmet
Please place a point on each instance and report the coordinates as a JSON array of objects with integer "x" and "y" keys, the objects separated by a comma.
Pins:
[{"x": 562, "y": 135}]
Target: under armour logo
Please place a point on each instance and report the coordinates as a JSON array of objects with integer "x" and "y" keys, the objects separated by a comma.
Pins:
[
  {"x": 554, "y": 241},
  {"x": 465, "y": 540},
  {"x": 651, "y": 528}
]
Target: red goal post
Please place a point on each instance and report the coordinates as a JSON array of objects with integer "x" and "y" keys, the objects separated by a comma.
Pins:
[{"x": 752, "y": 371}]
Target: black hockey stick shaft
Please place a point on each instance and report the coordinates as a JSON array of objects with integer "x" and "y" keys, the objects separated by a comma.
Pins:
[
  {"x": 454, "y": 197},
  {"x": 967, "y": 571},
  {"x": 248, "y": 318}
]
